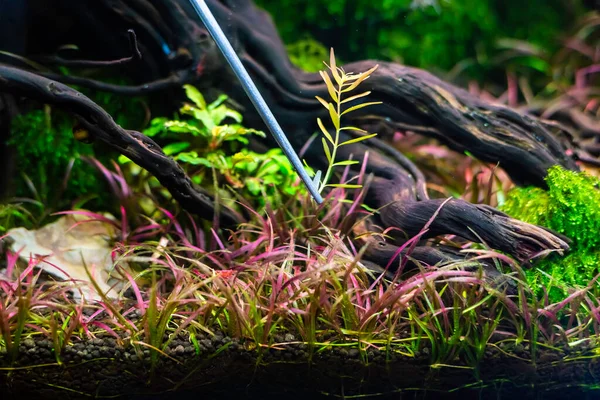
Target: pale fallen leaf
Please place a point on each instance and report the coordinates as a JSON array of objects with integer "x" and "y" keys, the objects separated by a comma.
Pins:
[{"x": 71, "y": 243}]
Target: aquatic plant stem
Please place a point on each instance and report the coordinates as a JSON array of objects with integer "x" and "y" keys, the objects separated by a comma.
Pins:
[
  {"x": 252, "y": 91},
  {"x": 336, "y": 142}
]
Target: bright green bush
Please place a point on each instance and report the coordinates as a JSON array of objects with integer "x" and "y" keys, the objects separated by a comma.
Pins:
[
  {"x": 571, "y": 206},
  {"x": 208, "y": 141}
]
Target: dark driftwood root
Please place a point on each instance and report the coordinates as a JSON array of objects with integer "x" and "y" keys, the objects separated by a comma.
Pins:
[
  {"x": 138, "y": 147},
  {"x": 176, "y": 49}
]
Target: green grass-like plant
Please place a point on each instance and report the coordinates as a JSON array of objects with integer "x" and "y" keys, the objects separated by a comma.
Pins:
[
  {"x": 290, "y": 275},
  {"x": 291, "y": 272}
]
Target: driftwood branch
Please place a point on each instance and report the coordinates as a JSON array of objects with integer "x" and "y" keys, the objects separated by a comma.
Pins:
[
  {"x": 136, "y": 55},
  {"x": 524, "y": 145},
  {"x": 139, "y": 148}
]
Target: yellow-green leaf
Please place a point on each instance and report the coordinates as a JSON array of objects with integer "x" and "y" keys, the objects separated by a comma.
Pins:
[
  {"x": 344, "y": 185},
  {"x": 326, "y": 149},
  {"x": 329, "y": 85},
  {"x": 327, "y": 135},
  {"x": 194, "y": 95},
  {"x": 323, "y": 102},
  {"x": 359, "y": 78},
  {"x": 335, "y": 118},
  {"x": 358, "y": 96},
  {"x": 347, "y": 162},
  {"x": 309, "y": 170},
  {"x": 359, "y": 106},
  {"x": 333, "y": 67},
  {"x": 353, "y": 128},
  {"x": 359, "y": 139}
]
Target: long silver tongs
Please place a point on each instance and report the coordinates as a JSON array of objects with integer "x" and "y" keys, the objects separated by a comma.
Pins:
[{"x": 252, "y": 91}]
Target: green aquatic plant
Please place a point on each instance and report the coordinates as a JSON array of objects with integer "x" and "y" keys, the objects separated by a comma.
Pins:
[
  {"x": 209, "y": 137},
  {"x": 570, "y": 206},
  {"x": 12, "y": 215}
]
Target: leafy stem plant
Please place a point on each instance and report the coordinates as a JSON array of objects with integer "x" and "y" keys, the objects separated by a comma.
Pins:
[
  {"x": 345, "y": 82},
  {"x": 210, "y": 142}
]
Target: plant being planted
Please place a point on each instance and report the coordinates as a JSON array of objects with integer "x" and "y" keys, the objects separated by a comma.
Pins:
[{"x": 345, "y": 83}]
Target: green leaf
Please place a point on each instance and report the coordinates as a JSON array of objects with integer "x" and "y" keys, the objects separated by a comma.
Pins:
[
  {"x": 201, "y": 115},
  {"x": 123, "y": 160},
  {"x": 253, "y": 186},
  {"x": 309, "y": 170},
  {"x": 175, "y": 148},
  {"x": 359, "y": 139},
  {"x": 323, "y": 102},
  {"x": 255, "y": 132},
  {"x": 240, "y": 157},
  {"x": 194, "y": 95},
  {"x": 156, "y": 126},
  {"x": 326, "y": 149},
  {"x": 358, "y": 96},
  {"x": 359, "y": 78},
  {"x": 192, "y": 158},
  {"x": 333, "y": 67},
  {"x": 220, "y": 100},
  {"x": 353, "y": 128},
  {"x": 236, "y": 116},
  {"x": 183, "y": 127},
  {"x": 218, "y": 114}
]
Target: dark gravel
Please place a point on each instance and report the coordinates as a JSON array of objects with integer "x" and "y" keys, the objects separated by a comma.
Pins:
[{"x": 224, "y": 368}]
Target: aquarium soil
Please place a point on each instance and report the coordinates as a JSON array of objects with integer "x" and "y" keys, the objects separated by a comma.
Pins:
[{"x": 222, "y": 368}]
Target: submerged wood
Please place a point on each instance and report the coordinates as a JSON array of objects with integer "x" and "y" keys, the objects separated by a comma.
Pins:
[{"x": 136, "y": 146}]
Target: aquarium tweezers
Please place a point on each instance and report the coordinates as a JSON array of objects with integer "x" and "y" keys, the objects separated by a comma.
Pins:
[{"x": 252, "y": 91}]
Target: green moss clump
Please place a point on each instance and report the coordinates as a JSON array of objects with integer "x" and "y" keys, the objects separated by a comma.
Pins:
[
  {"x": 44, "y": 145},
  {"x": 308, "y": 54},
  {"x": 571, "y": 206}
]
